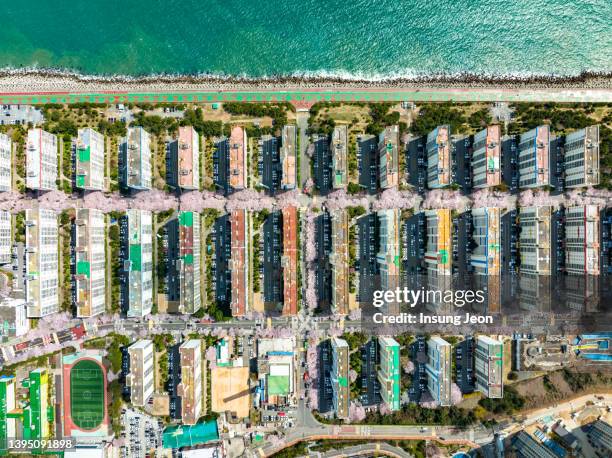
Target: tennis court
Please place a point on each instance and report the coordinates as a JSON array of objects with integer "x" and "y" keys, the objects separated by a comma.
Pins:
[{"x": 87, "y": 394}]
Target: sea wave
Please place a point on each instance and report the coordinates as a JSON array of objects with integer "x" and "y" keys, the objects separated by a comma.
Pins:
[{"x": 408, "y": 76}]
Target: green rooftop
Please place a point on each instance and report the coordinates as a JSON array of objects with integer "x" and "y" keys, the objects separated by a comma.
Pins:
[
  {"x": 186, "y": 219},
  {"x": 84, "y": 154},
  {"x": 83, "y": 268},
  {"x": 136, "y": 257}
]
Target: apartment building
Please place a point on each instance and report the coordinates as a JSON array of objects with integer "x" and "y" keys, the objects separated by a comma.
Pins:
[
  {"x": 489, "y": 367},
  {"x": 486, "y": 254},
  {"x": 136, "y": 159},
  {"x": 340, "y": 377},
  {"x": 486, "y": 158},
  {"x": 185, "y": 159},
  {"x": 388, "y": 157},
  {"x": 439, "y": 160},
  {"x": 6, "y": 163},
  {"x": 6, "y": 238},
  {"x": 8, "y": 406},
  {"x": 289, "y": 260},
  {"x": 238, "y": 158},
  {"x": 89, "y": 279},
  {"x": 389, "y": 371},
  {"x": 388, "y": 256},
  {"x": 184, "y": 273},
  {"x": 439, "y": 370},
  {"x": 190, "y": 387},
  {"x": 339, "y": 261},
  {"x": 140, "y": 378},
  {"x": 42, "y": 262},
  {"x": 288, "y": 157},
  {"x": 41, "y": 160},
  {"x": 13, "y": 318},
  {"x": 438, "y": 250},
  {"x": 581, "y": 158},
  {"x": 339, "y": 154},
  {"x": 534, "y": 240},
  {"x": 534, "y": 158},
  {"x": 582, "y": 240},
  {"x": 486, "y": 234},
  {"x": 240, "y": 302},
  {"x": 37, "y": 411},
  {"x": 136, "y": 231},
  {"x": 89, "y": 160}
]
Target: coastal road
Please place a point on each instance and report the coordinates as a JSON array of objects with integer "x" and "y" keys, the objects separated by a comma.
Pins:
[
  {"x": 47, "y": 90},
  {"x": 472, "y": 437}
]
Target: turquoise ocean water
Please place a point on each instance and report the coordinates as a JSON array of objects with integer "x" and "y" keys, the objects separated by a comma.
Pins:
[{"x": 362, "y": 38}]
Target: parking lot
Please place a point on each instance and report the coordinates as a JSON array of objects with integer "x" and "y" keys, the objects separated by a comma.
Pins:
[
  {"x": 325, "y": 387},
  {"x": 367, "y": 150},
  {"x": 223, "y": 248},
  {"x": 418, "y": 355},
  {"x": 509, "y": 151},
  {"x": 271, "y": 265},
  {"x": 221, "y": 164},
  {"x": 322, "y": 164},
  {"x": 269, "y": 163},
  {"x": 141, "y": 433},
  {"x": 323, "y": 269},
  {"x": 464, "y": 365},
  {"x": 462, "y": 150},
  {"x": 416, "y": 164},
  {"x": 370, "y": 387},
  {"x": 367, "y": 228}
]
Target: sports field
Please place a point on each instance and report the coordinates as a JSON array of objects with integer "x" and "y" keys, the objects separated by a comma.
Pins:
[{"x": 87, "y": 394}]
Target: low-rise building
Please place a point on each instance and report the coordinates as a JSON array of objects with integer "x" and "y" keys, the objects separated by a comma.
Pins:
[
  {"x": 13, "y": 318},
  {"x": 89, "y": 160},
  {"x": 184, "y": 273},
  {"x": 489, "y": 367},
  {"x": 140, "y": 378},
  {"x": 534, "y": 240},
  {"x": 582, "y": 240},
  {"x": 534, "y": 158},
  {"x": 339, "y": 261},
  {"x": 389, "y": 372},
  {"x": 340, "y": 377},
  {"x": 239, "y": 263},
  {"x": 288, "y": 157},
  {"x": 185, "y": 159},
  {"x": 486, "y": 157},
  {"x": 439, "y": 160},
  {"x": 339, "y": 154},
  {"x": 136, "y": 231},
  {"x": 582, "y": 158},
  {"x": 89, "y": 279},
  {"x": 41, "y": 160},
  {"x": 42, "y": 262},
  {"x": 238, "y": 158},
  {"x": 190, "y": 386},
  {"x": 289, "y": 261},
  {"x": 6, "y": 163},
  {"x": 439, "y": 370},
  {"x": 388, "y": 157},
  {"x": 276, "y": 371},
  {"x": 135, "y": 149},
  {"x": 526, "y": 446}
]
